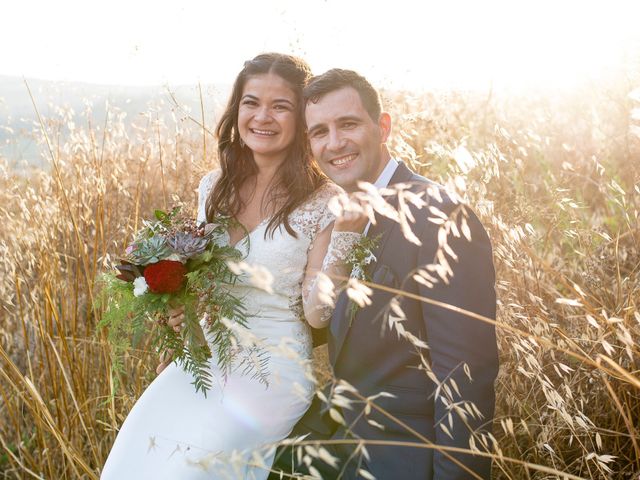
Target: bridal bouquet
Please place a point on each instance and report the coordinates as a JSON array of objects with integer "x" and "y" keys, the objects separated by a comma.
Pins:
[{"x": 173, "y": 261}]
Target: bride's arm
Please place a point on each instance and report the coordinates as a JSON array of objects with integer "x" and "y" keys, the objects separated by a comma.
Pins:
[{"x": 327, "y": 255}]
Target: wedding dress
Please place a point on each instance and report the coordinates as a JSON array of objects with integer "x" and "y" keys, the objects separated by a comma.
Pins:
[{"x": 172, "y": 432}]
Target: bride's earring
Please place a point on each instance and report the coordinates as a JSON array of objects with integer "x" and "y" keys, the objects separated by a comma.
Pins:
[{"x": 241, "y": 143}]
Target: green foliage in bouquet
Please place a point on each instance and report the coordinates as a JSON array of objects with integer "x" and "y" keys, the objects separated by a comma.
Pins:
[{"x": 173, "y": 262}]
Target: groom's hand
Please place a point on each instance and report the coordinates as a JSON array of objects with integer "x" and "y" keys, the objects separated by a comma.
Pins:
[
  {"x": 353, "y": 216},
  {"x": 176, "y": 318},
  {"x": 351, "y": 221}
]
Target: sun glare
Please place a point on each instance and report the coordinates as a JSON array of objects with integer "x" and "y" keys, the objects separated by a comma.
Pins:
[{"x": 461, "y": 44}]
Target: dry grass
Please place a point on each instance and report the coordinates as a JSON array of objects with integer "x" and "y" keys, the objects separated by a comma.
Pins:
[{"x": 555, "y": 177}]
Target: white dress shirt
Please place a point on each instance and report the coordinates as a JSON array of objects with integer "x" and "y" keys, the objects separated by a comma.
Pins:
[{"x": 383, "y": 181}]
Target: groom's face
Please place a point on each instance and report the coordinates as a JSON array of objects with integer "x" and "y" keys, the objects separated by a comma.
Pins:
[{"x": 345, "y": 141}]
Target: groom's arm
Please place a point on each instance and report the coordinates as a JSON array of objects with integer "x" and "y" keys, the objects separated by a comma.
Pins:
[{"x": 456, "y": 340}]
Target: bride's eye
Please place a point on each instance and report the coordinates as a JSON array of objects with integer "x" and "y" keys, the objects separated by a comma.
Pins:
[{"x": 283, "y": 107}]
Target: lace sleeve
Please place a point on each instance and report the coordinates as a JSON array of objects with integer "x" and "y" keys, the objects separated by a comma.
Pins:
[
  {"x": 339, "y": 248},
  {"x": 204, "y": 189},
  {"x": 318, "y": 291},
  {"x": 325, "y": 215}
]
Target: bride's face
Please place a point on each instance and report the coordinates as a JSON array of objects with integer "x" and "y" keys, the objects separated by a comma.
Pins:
[{"x": 267, "y": 116}]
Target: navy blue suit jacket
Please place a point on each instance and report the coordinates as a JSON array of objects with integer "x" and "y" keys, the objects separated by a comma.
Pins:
[{"x": 373, "y": 358}]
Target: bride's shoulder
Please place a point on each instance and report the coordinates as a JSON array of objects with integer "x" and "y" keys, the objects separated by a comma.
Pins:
[
  {"x": 313, "y": 215},
  {"x": 209, "y": 180},
  {"x": 326, "y": 191}
]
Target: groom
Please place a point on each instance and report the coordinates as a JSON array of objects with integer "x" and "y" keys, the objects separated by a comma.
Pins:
[{"x": 447, "y": 397}]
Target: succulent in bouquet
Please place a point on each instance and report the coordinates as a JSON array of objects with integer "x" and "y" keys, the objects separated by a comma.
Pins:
[{"x": 172, "y": 262}]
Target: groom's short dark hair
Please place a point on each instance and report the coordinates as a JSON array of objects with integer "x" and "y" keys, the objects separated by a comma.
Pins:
[{"x": 337, "y": 78}]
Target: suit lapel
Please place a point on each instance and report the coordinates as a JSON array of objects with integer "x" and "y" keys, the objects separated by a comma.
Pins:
[{"x": 383, "y": 227}]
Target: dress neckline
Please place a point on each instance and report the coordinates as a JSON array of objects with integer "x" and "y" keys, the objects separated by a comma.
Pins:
[{"x": 249, "y": 233}]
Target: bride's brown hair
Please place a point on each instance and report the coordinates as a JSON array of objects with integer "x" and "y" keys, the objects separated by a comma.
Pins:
[{"x": 296, "y": 177}]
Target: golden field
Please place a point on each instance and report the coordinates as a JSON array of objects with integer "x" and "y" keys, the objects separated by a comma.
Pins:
[{"x": 554, "y": 176}]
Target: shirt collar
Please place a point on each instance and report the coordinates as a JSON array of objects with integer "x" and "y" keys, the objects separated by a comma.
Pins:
[
  {"x": 383, "y": 181},
  {"x": 385, "y": 177}
]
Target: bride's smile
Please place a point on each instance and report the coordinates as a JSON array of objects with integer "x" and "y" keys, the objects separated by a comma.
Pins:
[{"x": 266, "y": 117}]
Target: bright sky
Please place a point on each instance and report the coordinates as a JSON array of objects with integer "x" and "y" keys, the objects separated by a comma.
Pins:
[{"x": 395, "y": 43}]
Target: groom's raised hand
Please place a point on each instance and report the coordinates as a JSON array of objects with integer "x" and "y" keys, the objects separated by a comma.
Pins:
[{"x": 352, "y": 214}]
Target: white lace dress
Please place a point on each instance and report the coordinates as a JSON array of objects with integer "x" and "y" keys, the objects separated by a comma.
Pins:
[{"x": 172, "y": 432}]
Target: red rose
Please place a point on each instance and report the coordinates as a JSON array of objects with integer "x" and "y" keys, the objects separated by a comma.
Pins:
[{"x": 165, "y": 276}]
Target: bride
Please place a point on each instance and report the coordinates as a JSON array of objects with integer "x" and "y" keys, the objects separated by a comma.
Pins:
[{"x": 267, "y": 181}]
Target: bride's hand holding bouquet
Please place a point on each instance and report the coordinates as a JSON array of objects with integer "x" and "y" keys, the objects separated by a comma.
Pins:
[{"x": 171, "y": 287}]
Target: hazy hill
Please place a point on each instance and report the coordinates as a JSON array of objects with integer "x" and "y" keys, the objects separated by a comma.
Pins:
[{"x": 18, "y": 118}]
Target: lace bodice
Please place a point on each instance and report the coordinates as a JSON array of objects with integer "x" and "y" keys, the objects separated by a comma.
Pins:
[
  {"x": 282, "y": 259},
  {"x": 309, "y": 218}
]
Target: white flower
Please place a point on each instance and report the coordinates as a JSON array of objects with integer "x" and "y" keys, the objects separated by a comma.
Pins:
[{"x": 140, "y": 286}]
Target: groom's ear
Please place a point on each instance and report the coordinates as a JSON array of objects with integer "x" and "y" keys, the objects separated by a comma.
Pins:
[{"x": 384, "y": 124}]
